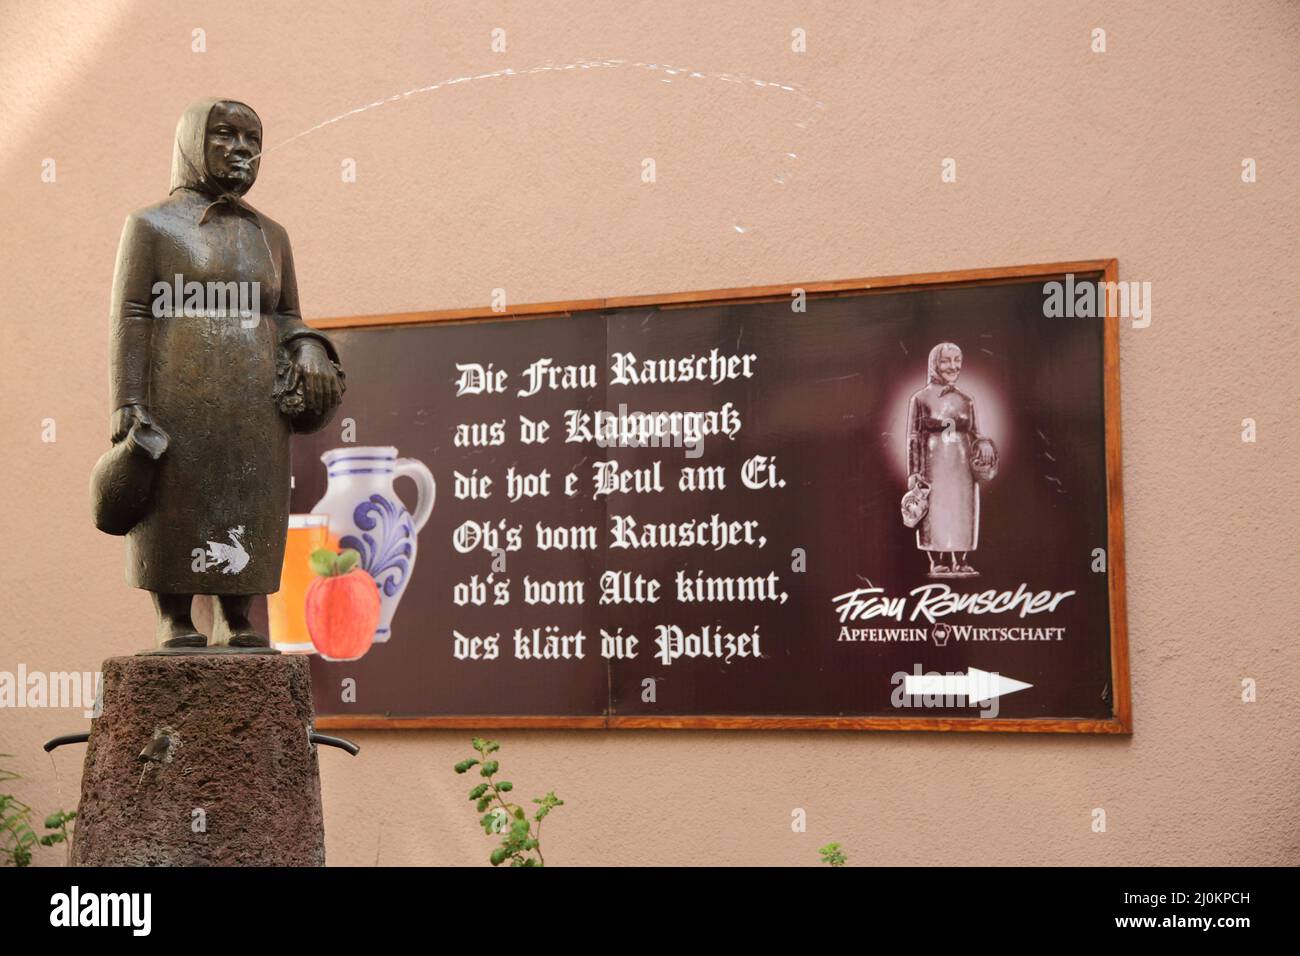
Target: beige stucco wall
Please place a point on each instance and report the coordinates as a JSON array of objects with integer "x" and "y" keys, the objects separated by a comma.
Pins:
[{"x": 532, "y": 183}]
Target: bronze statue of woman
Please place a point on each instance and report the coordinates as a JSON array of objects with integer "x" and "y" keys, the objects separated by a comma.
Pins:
[
  {"x": 212, "y": 370},
  {"x": 947, "y": 455}
]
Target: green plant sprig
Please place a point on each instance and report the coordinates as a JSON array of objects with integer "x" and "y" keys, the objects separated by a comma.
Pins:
[
  {"x": 521, "y": 838},
  {"x": 831, "y": 854},
  {"x": 16, "y": 834}
]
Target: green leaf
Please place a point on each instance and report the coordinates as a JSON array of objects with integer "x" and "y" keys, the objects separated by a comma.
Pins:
[
  {"x": 498, "y": 856},
  {"x": 348, "y": 559},
  {"x": 464, "y": 765},
  {"x": 489, "y": 768},
  {"x": 505, "y": 786},
  {"x": 57, "y": 819},
  {"x": 478, "y": 791},
  {"x": 322, "y": 562},
  {"x": 483, "y": 804}
]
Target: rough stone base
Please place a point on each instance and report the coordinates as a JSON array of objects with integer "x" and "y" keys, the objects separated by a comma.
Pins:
[{"x": 228, "y": 776}]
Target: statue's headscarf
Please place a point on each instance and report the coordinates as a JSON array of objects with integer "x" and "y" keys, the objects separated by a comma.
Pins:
[
  {"x": 189, "y": 163},
  {"x": 932, "y": 371}
]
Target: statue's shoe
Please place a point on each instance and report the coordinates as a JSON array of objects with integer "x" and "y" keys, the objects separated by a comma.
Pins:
[
  {"x": 247, "y": 638},
  {"x": 182, "y": 638}
]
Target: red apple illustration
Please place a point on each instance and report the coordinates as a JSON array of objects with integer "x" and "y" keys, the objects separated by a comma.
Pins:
[{"x": 342, "y": 606}]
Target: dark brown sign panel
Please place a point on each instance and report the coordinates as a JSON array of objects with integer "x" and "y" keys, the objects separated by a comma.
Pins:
[{"x": 882, "y": 504}]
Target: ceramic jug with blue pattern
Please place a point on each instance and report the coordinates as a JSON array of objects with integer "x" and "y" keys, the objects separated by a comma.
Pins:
[{"x": 366, "y": 514}]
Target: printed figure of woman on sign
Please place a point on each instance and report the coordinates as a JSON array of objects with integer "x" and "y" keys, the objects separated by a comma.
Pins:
[{"x": 946, "y": 457}]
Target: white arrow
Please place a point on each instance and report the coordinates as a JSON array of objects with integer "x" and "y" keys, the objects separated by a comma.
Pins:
[{"x": 975, "y": 685}]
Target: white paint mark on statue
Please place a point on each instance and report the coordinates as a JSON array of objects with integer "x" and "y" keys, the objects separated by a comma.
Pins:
[{"x": 231, "y": 558}]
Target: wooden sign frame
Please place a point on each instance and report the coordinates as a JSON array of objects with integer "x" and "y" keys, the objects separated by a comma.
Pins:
[{"x": 1122, "y": 720}]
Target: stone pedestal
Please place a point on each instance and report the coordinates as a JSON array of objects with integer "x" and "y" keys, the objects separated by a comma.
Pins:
[{"x": 202, "y": 760}]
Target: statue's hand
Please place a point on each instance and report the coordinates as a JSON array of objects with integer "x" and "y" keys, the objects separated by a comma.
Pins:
[
  {"x": 320, "y": 383},
  {"x": 125, "y": 417}
]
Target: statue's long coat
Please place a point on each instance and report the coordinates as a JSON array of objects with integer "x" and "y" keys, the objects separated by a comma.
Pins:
[{"x": 220, "y": 511}]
